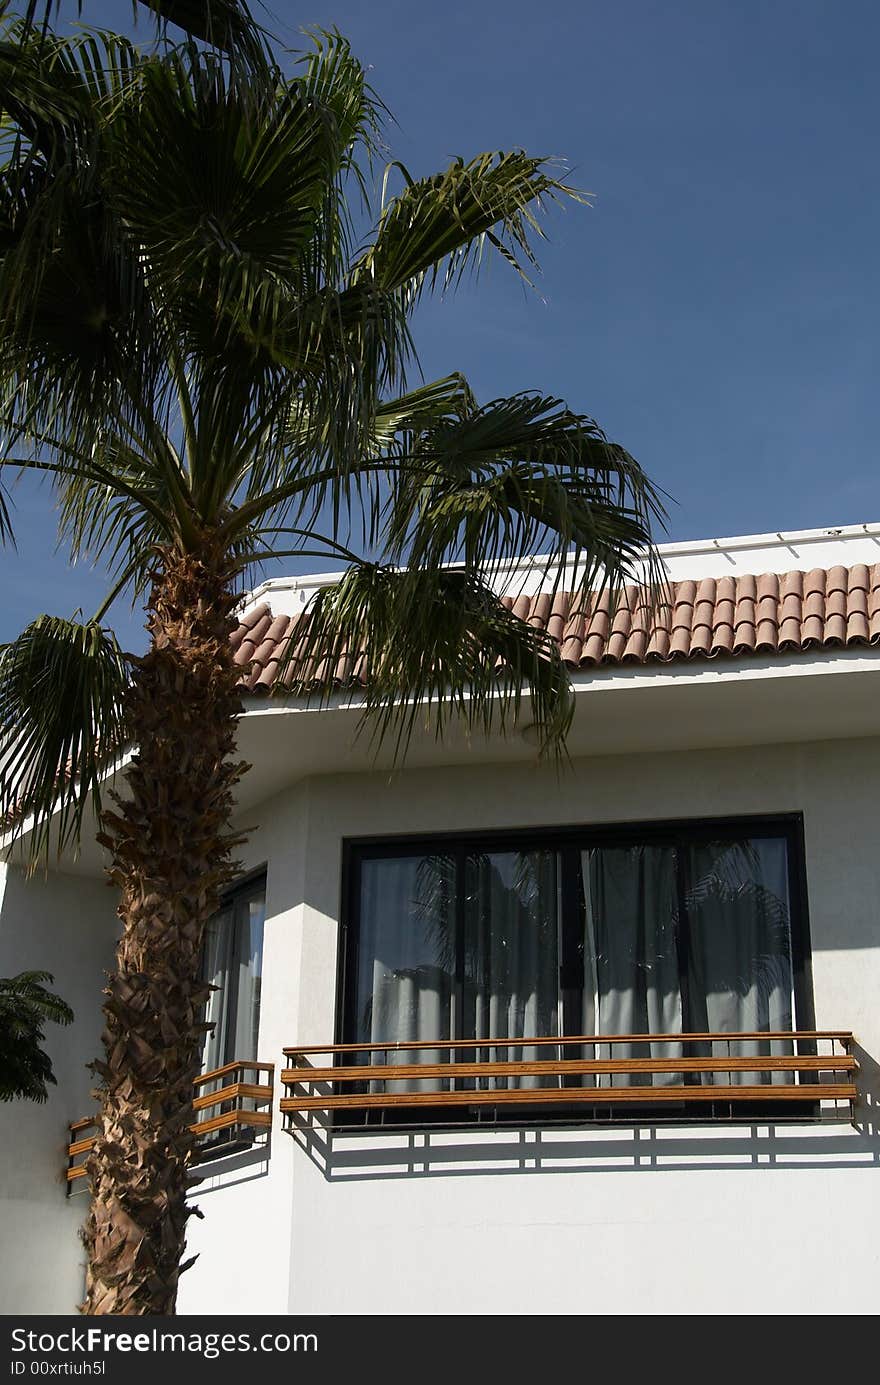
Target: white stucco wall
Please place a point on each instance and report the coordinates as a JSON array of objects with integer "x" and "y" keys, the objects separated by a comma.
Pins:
[
  {"x": 243, "y": 1237},
  {"x": 711, "y": 1219},
  {"x": 725, "y": 1218},
  {"x": 67, "y": 926}
]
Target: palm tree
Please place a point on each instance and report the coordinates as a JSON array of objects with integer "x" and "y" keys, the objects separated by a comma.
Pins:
[
  {"x": 213, "y": 365},
  {"x": 25, "y": 1006}
]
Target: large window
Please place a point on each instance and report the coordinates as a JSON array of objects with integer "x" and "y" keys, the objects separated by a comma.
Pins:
[
  {"x": 665, "y": 929},
  {"x": 233, "y": 964}
]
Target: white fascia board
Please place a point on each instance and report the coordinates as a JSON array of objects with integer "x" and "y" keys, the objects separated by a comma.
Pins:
[
  {"x": 610, "y": 676},
  {"x": 13, "y": 840},
  {"x": 794, "y": 538},
  {"x": 739, "y": 554}
]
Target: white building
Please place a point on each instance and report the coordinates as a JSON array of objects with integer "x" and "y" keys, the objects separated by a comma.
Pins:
[{"x": 708, "y": 864}]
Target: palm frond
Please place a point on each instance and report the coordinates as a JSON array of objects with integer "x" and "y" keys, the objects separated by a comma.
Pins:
[
  {"x": 335, "y": 80},
  {"x": 26, "y": 990},
  {"x": 122, "y": 502},
  {"x": 328, "y": 479},
  {"x": 25, "y": 1008},
  {"x": 40, "y": 89},
  {"x": 226, "y": 185},
  {"x": 438, "y": 227},
  {"x": 498, "y": 483},
  {"x": 440, "y": 401},
  {"x": 7, "y": 534},
  {"x": 101, "y": 507},
  {"x": 430, "y": 647},
  {"x": 62, "y": 686},
  {"x": 227, "y": 25},
  {"x": 338, "y": 354},
  {"x": 79, "y": 331}
]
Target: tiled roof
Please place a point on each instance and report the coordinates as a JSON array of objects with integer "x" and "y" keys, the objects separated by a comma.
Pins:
[{"x": 827, "y": 608}]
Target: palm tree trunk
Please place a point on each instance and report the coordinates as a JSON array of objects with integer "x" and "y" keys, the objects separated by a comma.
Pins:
[{"x": 171, "y": 846}]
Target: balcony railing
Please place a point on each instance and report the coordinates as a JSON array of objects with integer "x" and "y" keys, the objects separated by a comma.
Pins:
[
  {"x": 225, "y": 1091},
  {"x": 583, "y": 1071}
]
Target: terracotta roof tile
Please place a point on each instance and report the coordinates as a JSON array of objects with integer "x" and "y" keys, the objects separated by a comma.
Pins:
[
  {"x": 558, "y": 616},
  {"x": 720, "y": 617}
]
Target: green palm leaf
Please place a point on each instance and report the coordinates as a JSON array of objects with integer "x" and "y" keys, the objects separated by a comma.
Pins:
[
  {"x": 224, "y": 24},
  {"x": 498, "y": 482},
  {"x": 62, "y": 686},
  {"x": 441, "y": 225},
  {"x": 25, "y": 1007},
  {"x": 431, "y": 646},
  {"x": 227, "y": 25}
]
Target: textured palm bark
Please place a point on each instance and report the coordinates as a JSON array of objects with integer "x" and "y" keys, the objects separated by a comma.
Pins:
[{"x": 171, "y": 847}]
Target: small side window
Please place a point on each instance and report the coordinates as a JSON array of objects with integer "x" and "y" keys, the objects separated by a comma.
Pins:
[{"x": 233, "y": 963}]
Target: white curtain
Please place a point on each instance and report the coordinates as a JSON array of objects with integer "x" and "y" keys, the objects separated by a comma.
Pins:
[
  {"x": 512, "y": 912},
  {"x": 740, "y": 974},
  {"x": 216, "y": 964},
  {"x": 407, "y": 959},
  {"x": 631, "y": 968},
  {"x": 247, "y": 973},
  {"x": 737, "y": 944},
  {"x": 724, "y": 967},
  {"x": 233, "y": 964}
]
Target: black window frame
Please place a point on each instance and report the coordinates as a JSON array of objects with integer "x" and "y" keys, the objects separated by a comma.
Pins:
[{"x": 569, "y": 840}]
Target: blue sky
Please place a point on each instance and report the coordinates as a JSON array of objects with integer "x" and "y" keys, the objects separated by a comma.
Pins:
[{"x": 715, "y": 309}]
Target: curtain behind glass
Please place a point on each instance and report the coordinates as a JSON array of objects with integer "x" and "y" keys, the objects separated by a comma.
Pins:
[
  {"x": 406, "y": 959},
  {"x": 251, "y": 914},
  {"x": 512, "y": 914},
  {"x": 740, "y": 973},
  {"x": 722, "y": 967},
  {"x": 232, "y": 962},
  {"x": 631, "y": 968},
  {"x": 215, "y": 970}
]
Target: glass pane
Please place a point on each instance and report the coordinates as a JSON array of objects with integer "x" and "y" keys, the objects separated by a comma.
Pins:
[
  {"x": 216, "y": 957},
  {"x": 512, "y": 913},
  {"x": 631, "y": 959},
  {"x": 406, "y": 957},
  {"x": 251, "y": 914},
  {"x": 740, "y": 976},
  {"x": 233, "y": 964}
]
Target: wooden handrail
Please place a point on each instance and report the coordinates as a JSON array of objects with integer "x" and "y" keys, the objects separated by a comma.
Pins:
[
  {"x": 237, "y": 1092},
  {"x": 806, "y": 1077},
  {"x": 232, "y": 1067},
  {"x": 568, "y": 1095},
  {"x": 260, "y": 1120},
  {"x": 82, "y": 1125},
  {"x": 405, "y": 1072},
  {"x": 842, "y": 1036}
]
